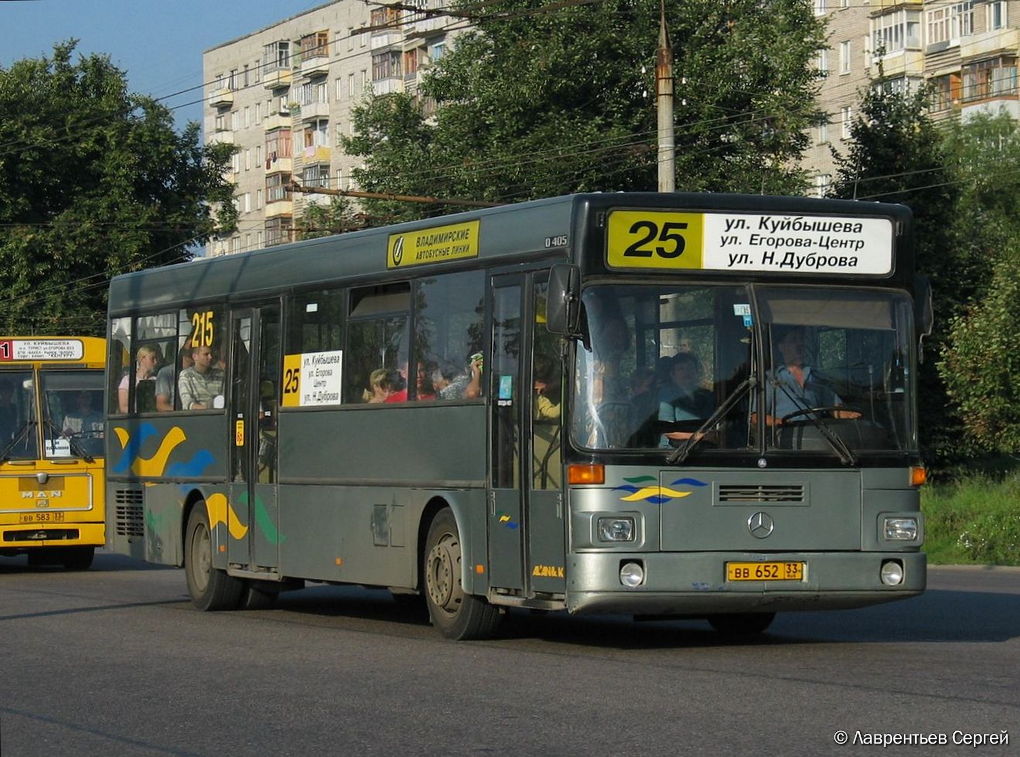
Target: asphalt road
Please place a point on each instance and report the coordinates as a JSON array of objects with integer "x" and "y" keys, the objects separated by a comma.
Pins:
[{"x": 116, "y": 661}]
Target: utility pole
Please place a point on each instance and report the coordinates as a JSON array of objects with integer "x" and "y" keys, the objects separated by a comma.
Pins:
[{"x": 664, "y": 105}]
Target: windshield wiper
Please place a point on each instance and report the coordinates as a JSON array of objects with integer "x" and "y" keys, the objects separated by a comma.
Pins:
[
  {"x": 76, "y": 448},
  {"x": 838, "y": 445},
  {"x": 685, "y": 449},
  {"x": 19, "y": 436}
]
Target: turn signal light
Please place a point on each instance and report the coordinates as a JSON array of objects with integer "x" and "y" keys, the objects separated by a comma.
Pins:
[
  {"x": 918, "y": 475},
  {"x": 586, "y": 474}
]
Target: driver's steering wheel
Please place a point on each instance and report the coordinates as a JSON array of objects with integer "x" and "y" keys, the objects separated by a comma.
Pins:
[{"x": 820, "y": 410}]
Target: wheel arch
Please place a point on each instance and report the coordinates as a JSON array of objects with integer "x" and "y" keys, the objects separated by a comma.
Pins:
[{"x": 473, "y": 541}]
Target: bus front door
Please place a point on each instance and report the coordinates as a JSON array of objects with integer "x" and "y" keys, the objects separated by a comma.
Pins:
[
  {"x": 526, "y": 532},
  {"x": 254, "y": 395}
]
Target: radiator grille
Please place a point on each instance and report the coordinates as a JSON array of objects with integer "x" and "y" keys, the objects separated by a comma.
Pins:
[
  {"x": 761, "y": 492},
  {"x": 129, "y": 519}
]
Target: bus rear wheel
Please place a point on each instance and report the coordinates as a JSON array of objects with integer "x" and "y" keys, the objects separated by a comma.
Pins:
[
  {"x": 742, "y": 625},
  {"x": 77, "y": 558},
  {"x": 209, "y": 587},
  {"x": 456, "y": 614}
]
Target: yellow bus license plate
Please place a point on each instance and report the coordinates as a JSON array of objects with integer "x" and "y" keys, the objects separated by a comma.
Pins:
[{"x": 764, "y": 571}]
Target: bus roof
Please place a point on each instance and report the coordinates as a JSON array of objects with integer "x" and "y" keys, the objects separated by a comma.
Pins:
[{"x": 508, "y": 232}]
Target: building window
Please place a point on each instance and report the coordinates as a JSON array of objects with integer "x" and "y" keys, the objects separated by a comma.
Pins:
[
  {"x": 317, "y": 133},
  {"x": 437, "y": 50},
  {"x": 823, "y": 133},
  {"x": 819, "y": 7},
  {"x": 350, "y": 86},
  {"x": 277, "y": 230},
  {"x": 315, "y": 176},
  {"x": 384, "y": 17},
  {"x": 276, "y": 187},
  {"x": 278, "y": 145},
  {"x": 896, "y": 32},
  {"x": 823, "y": 62},
  {"x": 315, "y": 45},
  {"x": 901, "y": 85},
  {"x": 997, "y": 15},
  {"x": 949, "y": 23},
  {"x": 385, "y": 65},
  {"x": 846, "y": 117},
  {"x": 276, "y": 55},
  {"x": 844, "y": 57},
  {"x": 258, "y": 199},
  {"x": 247, "y": 159},
  {"x": 945, "y": 91},
  {"x": 989, "y": 78},
  {"x": 822, "y": 183}
]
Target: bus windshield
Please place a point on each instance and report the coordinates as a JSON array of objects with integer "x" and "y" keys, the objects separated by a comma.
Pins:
[
  {"x": 677, "y": 366},
  {"x": 73, "y": 407}
]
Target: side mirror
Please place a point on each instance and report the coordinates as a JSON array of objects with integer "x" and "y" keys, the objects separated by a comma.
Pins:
[
  {"x": 923, "y": 311},
  {"x": 564, "y": 302}
]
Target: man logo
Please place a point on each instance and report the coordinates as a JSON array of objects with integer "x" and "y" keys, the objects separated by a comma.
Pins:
[
  {"x": 760, "y": 525},
  {"x": 397, "y": 254}
]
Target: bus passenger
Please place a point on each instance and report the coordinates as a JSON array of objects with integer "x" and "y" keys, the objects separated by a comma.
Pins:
[
  {"x": 165, "y": 380},
  {"x": 201, "y": 385},
  {"x": 454, "y": 383},
  {"x": 381, "y": 384},
  {"x": 423, "y": 386},
  {"x": 683, "y": 398},
  {"x": 146, "y": 360}
]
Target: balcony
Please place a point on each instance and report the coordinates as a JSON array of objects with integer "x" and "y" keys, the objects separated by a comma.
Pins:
[
  {"x": 279, "y": 208},
  {"x": 278, "y": 165},
  {"x": 277, "y": 121},
  {"x": 278, "y": 79},
  {"x": 221, "y": 98},
  {"x": 987, "y": 44},
  {"x": 315, "y": 66},
  {"x": 220, "y": 138},
  {"x": 314, "y": 111},
  {"x": 388, "y": 86},
  {"x": 385, "y": 39},
  {"x": 316, "y": 154},
  {"x": 902, "y": 63}
]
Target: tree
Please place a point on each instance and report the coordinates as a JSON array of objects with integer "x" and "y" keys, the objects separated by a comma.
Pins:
[
  {"x": 980, "y": 362},
  {"x": 335, "y": 217},
  {"x": 545, "y": 99},
  {"x": 94, "y": 181},
  {"x": 896, "y": 155}
]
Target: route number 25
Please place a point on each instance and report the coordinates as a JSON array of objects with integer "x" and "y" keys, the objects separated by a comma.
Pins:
[
  {"x": 654, "y": 239},
  {"x": 649, "y": 233}
]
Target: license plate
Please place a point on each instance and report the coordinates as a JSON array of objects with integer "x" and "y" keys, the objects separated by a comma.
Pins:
[
  {"x": 764, "y": 571},
  {"x": 54, "y": 517}
]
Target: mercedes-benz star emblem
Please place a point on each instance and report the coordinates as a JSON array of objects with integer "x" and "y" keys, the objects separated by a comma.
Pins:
[{"x": 760, "y": 525}]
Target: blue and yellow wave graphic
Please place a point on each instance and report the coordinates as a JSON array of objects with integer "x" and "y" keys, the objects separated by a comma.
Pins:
[{"x": 647, "y": 489}]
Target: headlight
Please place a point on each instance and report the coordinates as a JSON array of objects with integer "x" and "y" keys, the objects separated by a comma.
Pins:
[
  {"x": 900, "y": 529},
  {"x": 632, "y": 574},
  {"x": 616, "y": 529},
  {"x": 892, "y": 573}
]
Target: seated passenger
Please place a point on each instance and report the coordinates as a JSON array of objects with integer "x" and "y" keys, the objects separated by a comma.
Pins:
[
  {"x": 452, "y": 382},
  {"x": 683, "y": 398},
  {"x": 423, "y": 387},
  {"x": 146, "y": 359},
  {"x": 201, "y": 385},
  {"x": 381, "y": 384}
]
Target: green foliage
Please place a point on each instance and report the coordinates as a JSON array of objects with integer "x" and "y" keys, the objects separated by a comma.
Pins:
[
  {"x": 322, "y": 220},
  {"x": 94, "y": 181},
  {"x": 980, "y": 362},
  {"x": 973, "y": 520},
  {"x": 541, "y": 101},
  {"x": 896, "y": 155}
]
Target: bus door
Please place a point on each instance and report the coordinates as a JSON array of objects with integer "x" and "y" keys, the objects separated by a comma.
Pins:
[
  {"x": 526, "y": 534},
  {"x": 254, "y": 395}
]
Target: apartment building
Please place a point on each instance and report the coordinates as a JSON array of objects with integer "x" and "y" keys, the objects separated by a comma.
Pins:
[
  {"x": 965, "y": 49},
  {"x": 284, "y": 95}
]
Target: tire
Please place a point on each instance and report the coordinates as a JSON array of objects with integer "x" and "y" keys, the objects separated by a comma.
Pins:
[
  {"x": 457, "y": 615},
  {"x": 253, "y": 597},
  {"x": 742, "y": 625},
  {"x": 77, "y": 558},
  {"x": 210, "y": 588}
]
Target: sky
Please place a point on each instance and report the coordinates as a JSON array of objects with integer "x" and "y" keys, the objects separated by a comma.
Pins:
[{"x": 158, "y": 43}]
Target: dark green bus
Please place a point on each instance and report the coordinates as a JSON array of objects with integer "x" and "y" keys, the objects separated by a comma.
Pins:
[{"x": 667, "y": 405}]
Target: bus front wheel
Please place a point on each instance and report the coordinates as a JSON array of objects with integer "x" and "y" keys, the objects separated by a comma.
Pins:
[
  {"x": 456, "y": 614},
  {"x": 210, "y": 588}
]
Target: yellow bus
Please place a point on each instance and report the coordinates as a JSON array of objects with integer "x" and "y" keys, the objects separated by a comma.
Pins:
[{"x": 52, "y": 491}]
